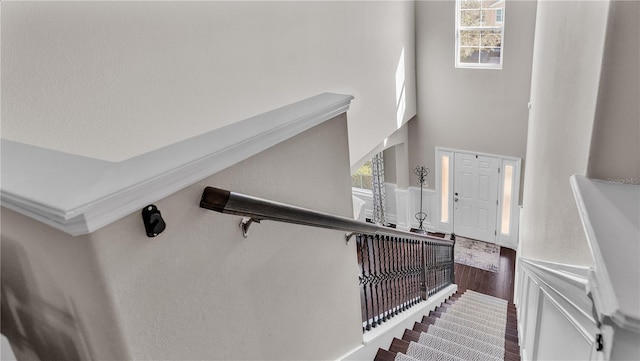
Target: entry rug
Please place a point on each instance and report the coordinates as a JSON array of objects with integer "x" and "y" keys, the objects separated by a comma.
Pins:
[{"x": 477, "y": 254}]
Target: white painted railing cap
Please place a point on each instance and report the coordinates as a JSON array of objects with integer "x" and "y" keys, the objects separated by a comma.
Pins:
[
  {"x": 79, "y": 195},
  {"x": 610, "y": 214}
]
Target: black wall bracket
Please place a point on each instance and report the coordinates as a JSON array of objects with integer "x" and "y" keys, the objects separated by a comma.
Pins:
[{"x": 153, "y": 222}]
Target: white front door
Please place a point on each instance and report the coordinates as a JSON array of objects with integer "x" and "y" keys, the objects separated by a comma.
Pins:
[{"x": 475, "y": 196}]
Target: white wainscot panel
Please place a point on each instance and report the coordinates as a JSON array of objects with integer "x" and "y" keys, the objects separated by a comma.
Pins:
[
  {"x": 558, "y": 339},
  {"x": 554, "y": 312}
]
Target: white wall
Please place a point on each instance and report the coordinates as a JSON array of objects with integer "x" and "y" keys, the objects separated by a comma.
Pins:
[
  {"x": 477, "y": 110},
  {"x": 615, "y": 149},
  {"x": 567, "y": 60},
  {"x": 200, "y": 290},
  {"x": 112, "y": 80}
]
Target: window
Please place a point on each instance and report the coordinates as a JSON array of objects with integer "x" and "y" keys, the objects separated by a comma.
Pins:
[
  {"x": 479, "y": 33},
  {"x": 363, "y": 177},
  {"x": 444, "y": 193},
  {"x": 507, "y": 195}
]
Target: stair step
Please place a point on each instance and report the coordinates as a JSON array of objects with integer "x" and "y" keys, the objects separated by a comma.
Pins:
[
  {"x": 481, "y": 306},
  {"x": 454, "y": 349},
  {"x": 466, "y": 326},
  {"x": 485, "y": 347},
  {"x": 475, "y": 310},
  {"x": 411, "y": 335},
  {"x": 480, "y": 300},
  {"x": 427, "y": 353},
  {"x": 470, "y": 332},
  {"x": 403, "y": 357},
  {"x": 477, "y": 316},
  {"x": 487, "y": 320},
  {"x": 488, "y": 329},
  {"x": 485, "y": 296},
  {"x": 398, "y": 345},
  {"x": 384, "y": 355}
]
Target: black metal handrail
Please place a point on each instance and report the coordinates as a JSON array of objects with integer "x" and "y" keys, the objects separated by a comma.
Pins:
[
  {"x": 223, "y": 201},
  {"x": 397, "y": 269}
]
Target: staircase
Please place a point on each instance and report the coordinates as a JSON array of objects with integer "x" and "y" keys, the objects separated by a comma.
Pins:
[{"x": 467, "y": 326}]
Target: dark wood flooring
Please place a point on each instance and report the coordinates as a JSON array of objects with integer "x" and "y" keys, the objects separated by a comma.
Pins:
[{"x": 498, "y": 284}]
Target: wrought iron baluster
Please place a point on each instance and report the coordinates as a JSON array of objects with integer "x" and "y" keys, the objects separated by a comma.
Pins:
[
  {"x": 423, "y": 270},
  {"x": 410, "y": 273},
  {"x": 376, "y": 268},
  {"x": 453, "y": 262},
  {"x": 387, "y": 276},
  {"x": 418, "y": 297},
  {"x": 381, "y": 274},
  {"x": 416, "y": 277},
  {"x": 405, "y": 274},
  {"x": 372, "y": 281},
  {"x": 363, "y": 280},
  {"x": 396, "y": 278}
]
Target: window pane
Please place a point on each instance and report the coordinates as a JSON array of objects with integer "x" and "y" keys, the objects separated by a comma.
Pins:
[
  {"x": 470, "y": 17},
  {"x": 490, "y": 17},
  {"x": 490, "y": 56},
  {"x": 470, "y": 4},
  {"x": 469, "y": 37},
  {"x": 491, "y": 38},
  {"x": 469, "y": 55},
  {"x": 444, "y": 184},
  {"x": 506, "y": 199},
  {"x": 363, "y": 177}
]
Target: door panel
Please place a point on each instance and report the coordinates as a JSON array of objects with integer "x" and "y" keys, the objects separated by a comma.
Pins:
[{"x": 475, "y": 196}]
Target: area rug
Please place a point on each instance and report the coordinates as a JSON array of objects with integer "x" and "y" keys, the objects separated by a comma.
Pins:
[{"x": 477, "y": 254}]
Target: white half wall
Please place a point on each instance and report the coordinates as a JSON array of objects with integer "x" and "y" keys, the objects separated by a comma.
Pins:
[
  {"x": 199, "y": 290},
  {"x": 402, "y": 205},
  {"x": 113, "y": 80}
]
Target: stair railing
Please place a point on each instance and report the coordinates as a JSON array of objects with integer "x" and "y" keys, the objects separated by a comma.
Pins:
[{"x": 397, "y": 269}]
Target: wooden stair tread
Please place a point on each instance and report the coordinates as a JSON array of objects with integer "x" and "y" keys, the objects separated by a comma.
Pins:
[
  {"x": 411, "y": 335},
  {"x": 384, "y": 355},
  {"x": 398, "y": 345}
]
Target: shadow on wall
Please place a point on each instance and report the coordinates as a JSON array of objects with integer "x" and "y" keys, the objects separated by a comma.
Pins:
[{"x": 37, "y": 330}]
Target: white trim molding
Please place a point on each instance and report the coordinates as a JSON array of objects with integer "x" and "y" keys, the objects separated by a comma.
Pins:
[
  {"x": 79, "y": 195},
  {"x": 554, "y": 312},
  {"x": 610, "y": 214}
]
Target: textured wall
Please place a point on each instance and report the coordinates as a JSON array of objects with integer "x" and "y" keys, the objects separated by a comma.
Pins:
[
  {"x": 200, "y": 291},
  {"x": 112, "y": 80},
  {"x": 479, "y": 110},
  {"x": 567, "y": 61}
]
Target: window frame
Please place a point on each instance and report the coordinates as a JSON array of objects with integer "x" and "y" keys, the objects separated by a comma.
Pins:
[{"x": 459, "y": 28}]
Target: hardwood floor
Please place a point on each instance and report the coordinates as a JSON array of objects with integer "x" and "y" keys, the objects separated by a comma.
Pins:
[{"x": 498, "y": 284}]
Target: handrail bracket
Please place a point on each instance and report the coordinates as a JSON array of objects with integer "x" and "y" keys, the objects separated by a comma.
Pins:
[
  {"x": 348, "y": 236},
  {"x": 245, "y": 223}
]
